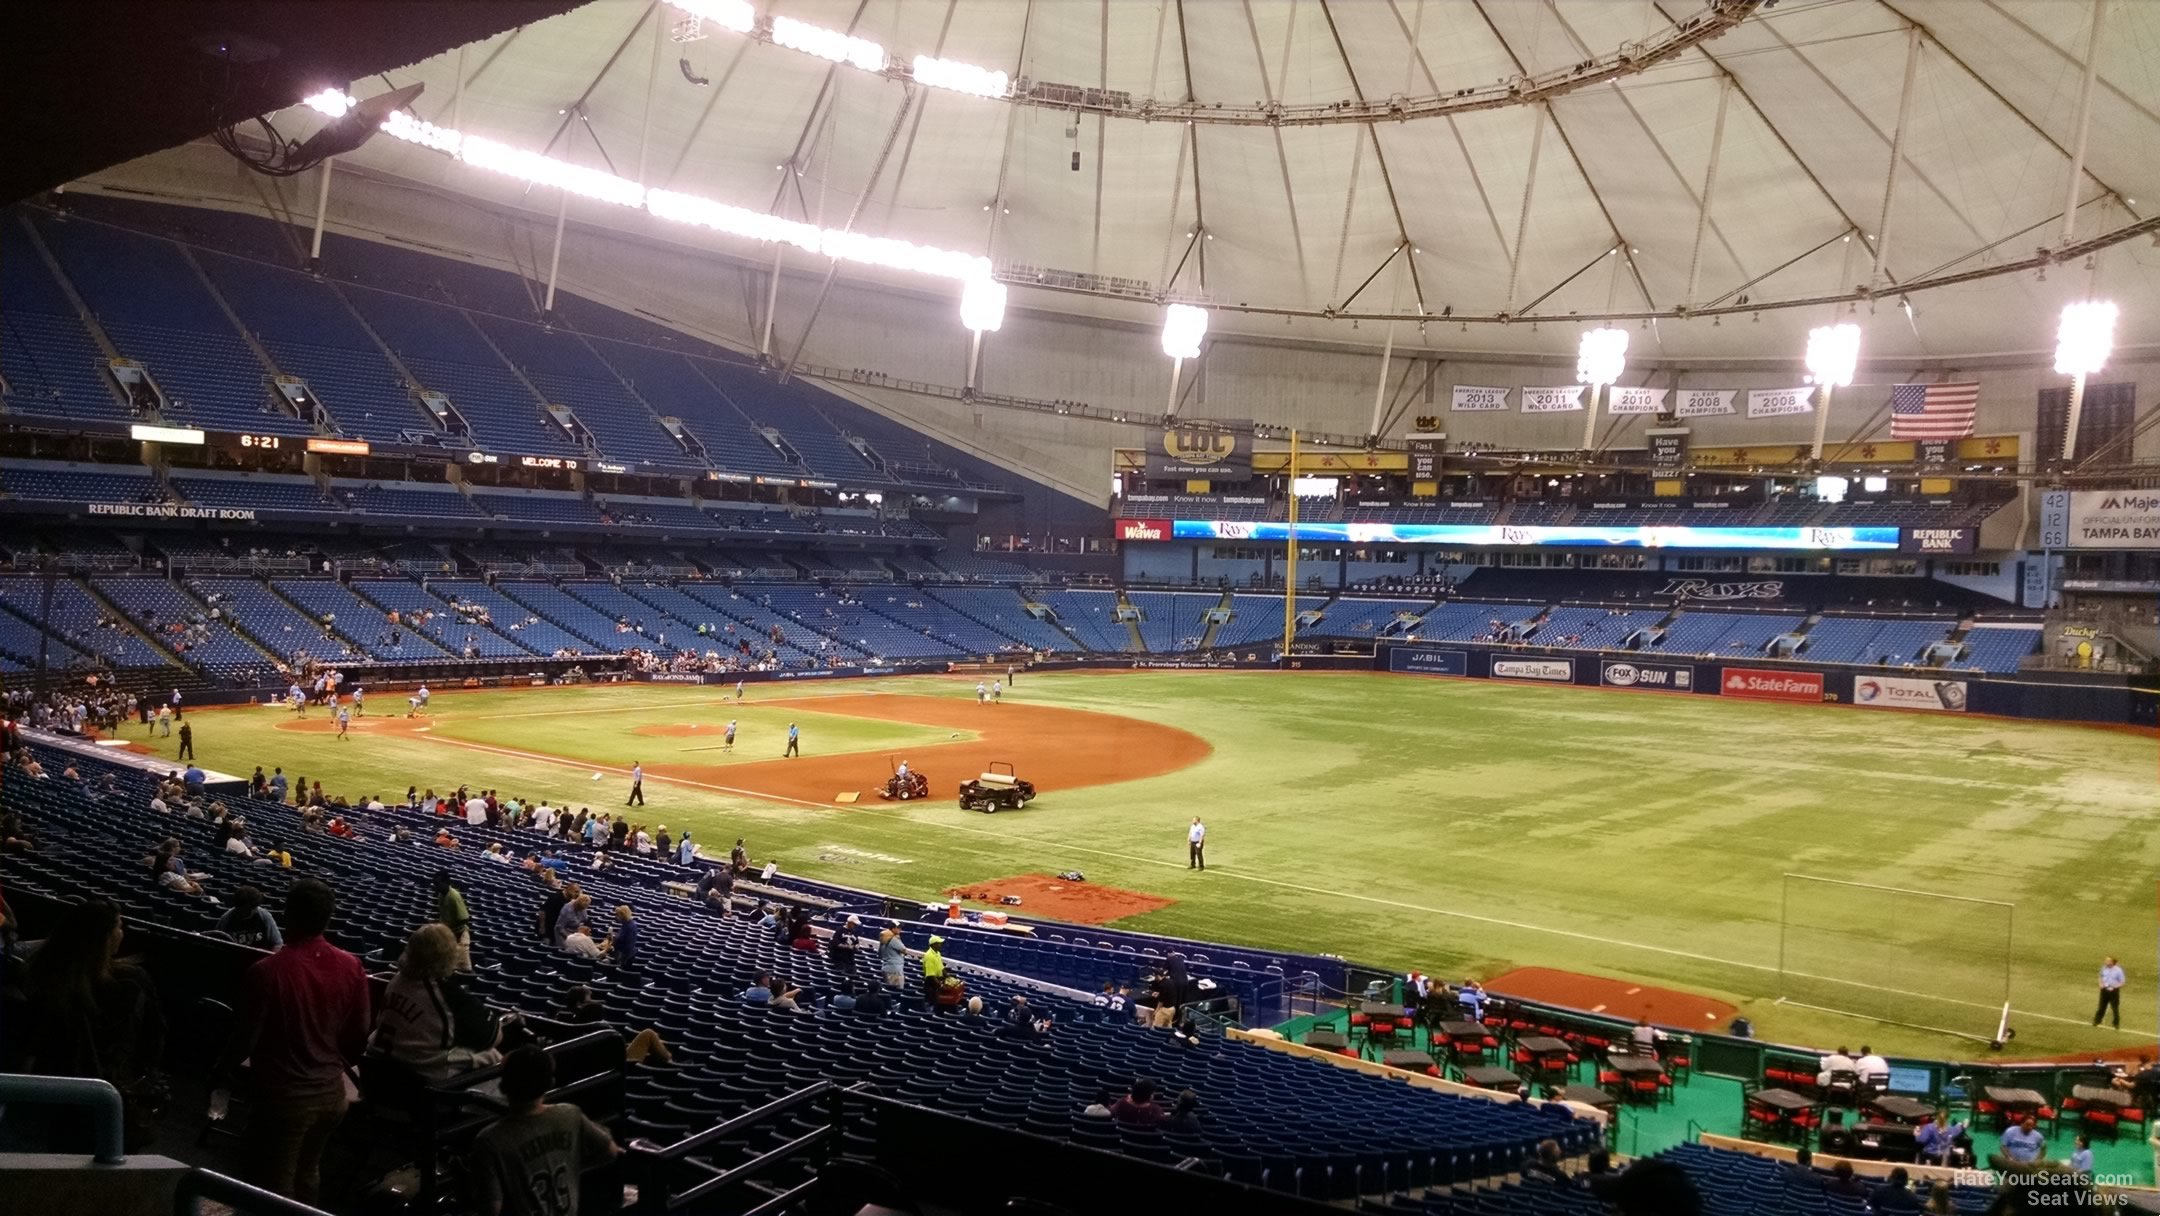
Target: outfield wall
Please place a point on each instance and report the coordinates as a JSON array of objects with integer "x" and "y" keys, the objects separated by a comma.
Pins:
[{"x": 2096, "y": 697}]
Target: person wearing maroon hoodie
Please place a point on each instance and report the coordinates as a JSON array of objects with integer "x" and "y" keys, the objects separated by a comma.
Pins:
[{"x": 303, "y": 1019}]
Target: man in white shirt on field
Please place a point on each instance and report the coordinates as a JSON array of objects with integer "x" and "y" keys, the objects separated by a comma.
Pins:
[{"x": 1196, "y": 845}]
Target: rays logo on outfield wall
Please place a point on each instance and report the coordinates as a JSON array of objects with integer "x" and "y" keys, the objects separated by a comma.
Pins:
[{"x": 1214, "y": 452}]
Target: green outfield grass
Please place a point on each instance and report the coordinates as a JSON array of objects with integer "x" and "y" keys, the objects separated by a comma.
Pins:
[{"x": 1461, "y": 827}]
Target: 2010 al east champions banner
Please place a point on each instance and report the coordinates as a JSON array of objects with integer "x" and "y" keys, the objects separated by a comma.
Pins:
[{"x": 1620, "y": 400}]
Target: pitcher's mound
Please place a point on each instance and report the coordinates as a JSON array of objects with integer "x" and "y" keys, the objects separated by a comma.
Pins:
[
  {"x": 1058, "y": 899},
  {"x": 1613, "y": 998}
]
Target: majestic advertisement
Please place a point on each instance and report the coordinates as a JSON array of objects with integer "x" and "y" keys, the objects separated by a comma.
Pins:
[
  {"x": 1197, "y": 451},
  {"x": 2113, "y": 519},
  {"x": 1941, "y": 540},
  {"x": 1649, "y": 536},
  {"x": 1143, "y": 529},
  {"x": 1898, "y": 692},
  {"x": 1759, "y": 685},
  {"x": 1653, "y": 677},
  {"x": 1413, "y": 661},
  {"x": 1425, "y": 456},
  {"x": 1558, "y": 671}
]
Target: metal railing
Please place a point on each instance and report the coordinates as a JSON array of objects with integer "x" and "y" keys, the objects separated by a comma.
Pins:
[
  {"x": 108, "y": 1121},
  {"x": 655, "y": 1165},
  {"x": 198, "y": 1185}
]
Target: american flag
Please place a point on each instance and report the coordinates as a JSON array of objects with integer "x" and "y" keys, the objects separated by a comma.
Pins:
[{"x": 1932, "y": 411}]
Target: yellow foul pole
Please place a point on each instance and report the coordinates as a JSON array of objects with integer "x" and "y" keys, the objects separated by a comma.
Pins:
[{"x": 1289, "y": 599}]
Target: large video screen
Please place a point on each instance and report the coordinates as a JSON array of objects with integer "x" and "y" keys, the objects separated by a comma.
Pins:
[{"x": 1646, "y": 537}]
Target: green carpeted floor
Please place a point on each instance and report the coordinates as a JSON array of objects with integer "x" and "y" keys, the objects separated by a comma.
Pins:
[{"x": 1712, "y": 1104}]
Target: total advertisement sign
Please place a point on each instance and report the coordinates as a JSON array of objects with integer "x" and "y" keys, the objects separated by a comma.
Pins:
[
  {"x": 1143, "y": 529},
  {"x": 1758, "y": 684},
  {"x": 1898, "y": 692},
  {"x": 1651, "y": 677},
  {"x": 1558, "y": 671}
]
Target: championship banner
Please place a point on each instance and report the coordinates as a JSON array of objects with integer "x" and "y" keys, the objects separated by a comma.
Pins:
[
  {"x": 1425, "y": 453},
  {"x": 1195, "y": 450},
  {"x": 1896, "y": 692},
  {"x": 1756, "y": 684},
  {"x": 1667, "y": 447},
  {"x": 1778, "y": 402},
  {"x": 1620, "y": 400},
  {"x": 1557, "y": 671},
  {"x": 1650, "y": 677},
  {"x": 2113, "y": 519},
  {"x": 1704, "y": 402},
  {"x": 1558, "y": 399},
  {"x": 1472, "y": 397}
]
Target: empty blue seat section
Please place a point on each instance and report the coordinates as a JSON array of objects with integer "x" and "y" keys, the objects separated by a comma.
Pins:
[
  {"x": 787, "y": 410},
  {"x": 567, "y": 373},
  {"x": 1998, "y": 648},
  {"x": 752, "y": 605},
  {"x": 649, "y": 513},
  {"x": 1726, "y": 633},
  {"x": 275, "y": 624},
  {"x": 588, "y": 624},
  {"x": 77, "y": 483},
  {"x": 76, "y": 616},
  {"x": 157, "y": 310},
  {"x": 846, "y": 617},
  {"x": 446, "y": 354},
  {"x": 1259, "y": 1105},
  {"x": 975, "y": 568},
  {"x": 1172, "y": 620},
  {"x": 675, "y": 388},
  {"x": 366, "y": 625},
  {"x": 1464, "y": 621},
  {"x": 1257, "y": 619},
  {"x": 1872, "y": 640},
  {"x": 52, "y": 365},
  {"x": 310, "y": 332},
  {"x": 1359, "y": 618},
  {"x": 917, "y": 609},
  {"x": 183, "y": 623},
  {"x": 446, "y": 628},
  {"x": 1004, "y": 611},
  {"x": 1593, "y": 628},
  {"x": 424, "y": 499},
  {"x": 517, "y": 621},
  {"x": 537, "y": 506},
  {"x": 1090, "y": 616},
  {"x": 261, "y": 491}
]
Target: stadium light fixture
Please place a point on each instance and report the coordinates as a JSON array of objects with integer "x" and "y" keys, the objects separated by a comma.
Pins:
[
  {"x": 736, "y": 15},
  {"x": 332, "y": 102},
  {"x": 1599, "y": 360},
  {"x": 2082, "y": 345},
  {"x": 1183, "y": 327},
  {"x": 828, "y": 44},
  {"x": 960, "y": 77},
  {"x": 982, "y": 305},
  {"x": 1833, "y": 354}
]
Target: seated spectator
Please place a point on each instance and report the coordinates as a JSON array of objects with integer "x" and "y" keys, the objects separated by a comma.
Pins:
[
  {"x": 716, "y": 890},
  {"x": 1938, "y": 1138},
  {"x": 2023, "y": 1144},
  {"x": 1843, "y": 1182},
  {"x": 1874, "y": 1071},
  {"x": 1186, "y": 1033},
  {"x": 788, "y": 1000},
  {"x": 580, "y": 944},
  {"x": 534, "y": 1141},
  {"x": 2081, "y": 1156},
  {"x": 1839, "y": 1061},
  {"x": 1100, "y": 1107},
  {"x": 91, "y": 1014},
  {"x": 429, "y": 1022},
  {"x": 760, "y": 992},
  {"x": 1800, "y": 1171},
  {"x": 1138, "y": 1107},
  {"x": 573, "y": 916},
  {"x": 1649, "y": 1187},
  {"x": 872, "y": 1000},
  {"x": 1185, "y": 1112},
  {"x": 1547, "y": 1164},
  {"x": 843, "y": 1001},
  {"x": 1895, "y": 1195},
  {"x": 248, "y": 922}
]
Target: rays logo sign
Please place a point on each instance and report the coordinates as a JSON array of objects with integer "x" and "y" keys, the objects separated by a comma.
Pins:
[{"x": 1218, "y": 452}]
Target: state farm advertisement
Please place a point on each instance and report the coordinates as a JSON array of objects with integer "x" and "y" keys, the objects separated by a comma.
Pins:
[
  {"x": 1898, "y": 692},
  {"x": 1143, "y": 529},
  {"x": 1760, "y": 685}
]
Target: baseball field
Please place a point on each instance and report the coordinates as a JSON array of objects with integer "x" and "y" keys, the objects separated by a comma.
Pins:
[{"x": 1456, "y": 827}]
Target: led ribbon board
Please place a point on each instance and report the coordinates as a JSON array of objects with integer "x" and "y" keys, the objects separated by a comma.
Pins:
[{"x": 1646, "y": 537}]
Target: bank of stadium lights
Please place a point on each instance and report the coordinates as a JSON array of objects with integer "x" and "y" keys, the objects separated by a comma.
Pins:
[
  {"x": 684, "y": 208},
  {"x": 2082, "y": 345},
  {"x": 1833, "y": 353},
  {"x": 1182, "y": 328},
  {"x": 1599, "y": 359},
  {"x": 837, "y": 47},
  {"x": 982, "y": 305},
  {"x": 331, "y": 102}
]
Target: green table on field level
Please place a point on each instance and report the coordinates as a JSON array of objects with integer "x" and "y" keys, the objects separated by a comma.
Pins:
[
  {"x": 1474, "y": 1031},
  {"x": 1899, "y": 1108},
  {"x": 1487, "y": 1076},
  {"x": 1640, "y": 1066},
  {"x": 1586, "y": 1095},
  {"x": 2014, "y": 1100},
  {"x": 1380, "y": 1009},
  {"x": 1542, "y": 1045},
  {"x": 1326, "y": 1040},
  {"x": 1413, "y": 1061},
  {"x": 1782, "y": 1099}
]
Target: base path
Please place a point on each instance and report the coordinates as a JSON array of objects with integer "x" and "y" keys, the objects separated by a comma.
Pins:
[
  {"x": 1050, "y": 898},
  {"x": 1612, "y": 998},
  {"x": 1057, "y": 749}
]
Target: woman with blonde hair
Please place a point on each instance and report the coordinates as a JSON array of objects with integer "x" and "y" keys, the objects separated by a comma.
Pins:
[{"x": 428, "y": 1021}]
